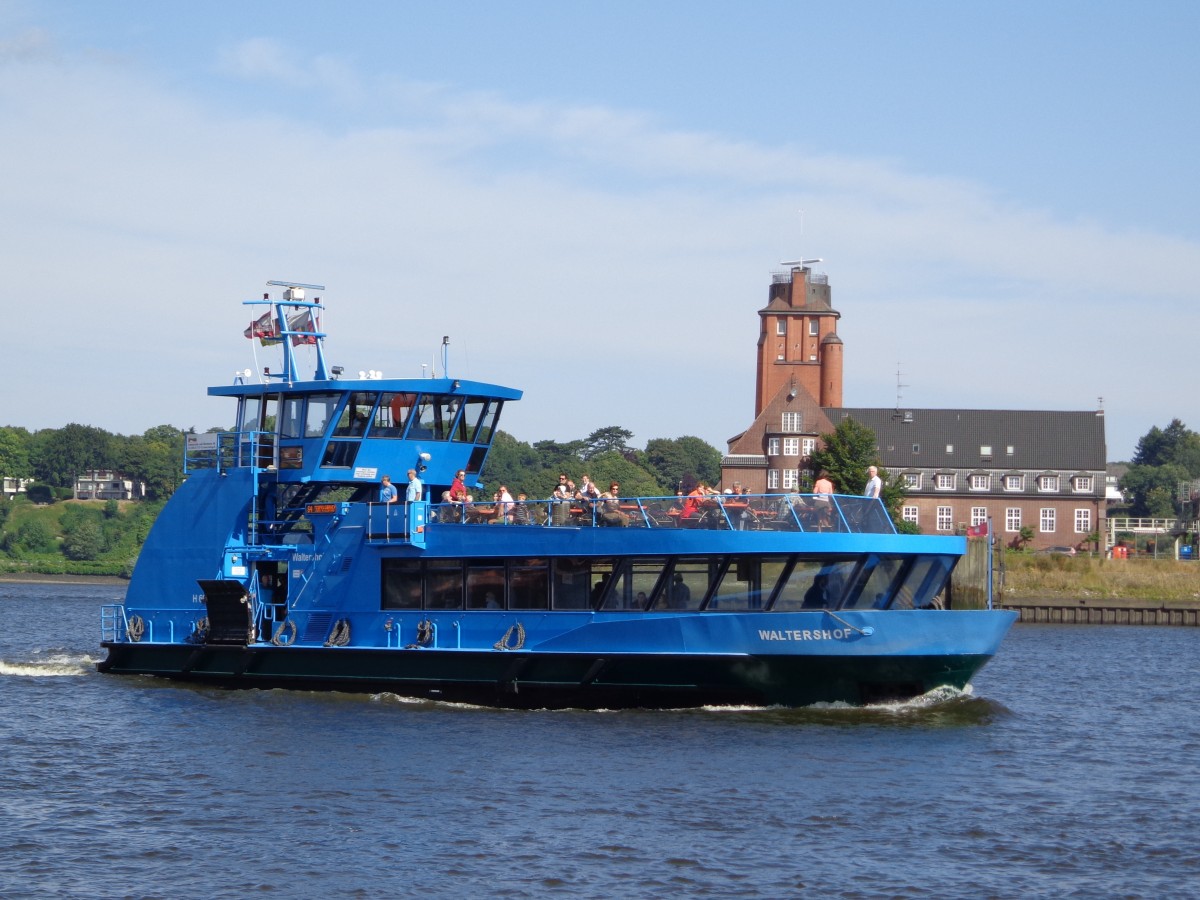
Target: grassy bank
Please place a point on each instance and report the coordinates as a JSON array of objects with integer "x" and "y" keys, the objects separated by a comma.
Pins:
[{"x": 1081, "y": 577}]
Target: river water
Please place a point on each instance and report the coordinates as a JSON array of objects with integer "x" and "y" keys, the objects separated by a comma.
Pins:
[{"x": 1070, "y": 770}]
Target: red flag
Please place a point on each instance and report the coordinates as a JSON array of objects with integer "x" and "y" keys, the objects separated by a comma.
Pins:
[
  {"x": 264, "y": 329},
  {"x": 302, "y": 322},
  {"x": 979, "y": 530}
]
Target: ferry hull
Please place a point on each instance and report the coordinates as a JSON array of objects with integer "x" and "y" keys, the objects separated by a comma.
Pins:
[{"x": 535, "y": 680}]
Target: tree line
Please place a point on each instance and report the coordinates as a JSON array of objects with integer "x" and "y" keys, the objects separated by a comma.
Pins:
[{"x": 54, "y": 457}]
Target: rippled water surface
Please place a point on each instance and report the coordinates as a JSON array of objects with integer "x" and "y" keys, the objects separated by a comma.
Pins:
[{"x": 1070, "y": 770}]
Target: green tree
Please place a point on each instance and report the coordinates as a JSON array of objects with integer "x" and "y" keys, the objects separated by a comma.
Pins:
[
  {"x": 59, "y": 455},
  {"x": 1164, "y": 459},
  {"x": 670, "y": 460},
  {"x": 846, "y": 453},
  {"x": 14, "y": 453},
  {"x": 32, "y": 536},
  {"x": 606, "y": 440},
  {"x": 83, "y": 542}
]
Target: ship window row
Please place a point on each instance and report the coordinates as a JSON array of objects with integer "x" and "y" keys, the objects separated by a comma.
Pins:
[
  {"x": 374, "y": 414},
  {"x": 729, "y": 583}
]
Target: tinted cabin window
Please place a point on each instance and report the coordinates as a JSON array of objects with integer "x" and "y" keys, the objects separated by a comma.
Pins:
[
  {"x": 687, "y": 585},
  {"x": 877, "y": 578},
  {"x": 444, "y": 584},
  {"x": 320, "y": 411},
  {"x": 425, "y": 422},
  {"x": 634, "y": 583},
  {"x": 468, "y": 422},
  {"x": 485, "y": 585},
  {"x": 924, "y": 581},
  {"x": 251, "y": 407},
  {"x": 487, "y": 422},
  {"x": 572, "y": 583},
  {"x": 357, "y": 413},
  {"x": 291, "y": 423},
  {"x": 401, "y": 583},
  {"x": 529, "y": 584},
  {"x": 815, "y": 584},
  {"x": 740, "y": 587},
  {"x": 270, "y": 413},
  {"x": 392, "y": 415}
]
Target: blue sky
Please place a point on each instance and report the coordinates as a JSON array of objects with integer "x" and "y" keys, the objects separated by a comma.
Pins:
[{"x": 591, "y": 198}]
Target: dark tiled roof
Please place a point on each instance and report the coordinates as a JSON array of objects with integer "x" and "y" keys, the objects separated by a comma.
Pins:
[{"x": 1041, "y": 439}]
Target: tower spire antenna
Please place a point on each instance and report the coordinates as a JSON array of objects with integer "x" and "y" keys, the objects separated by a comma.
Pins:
[
  {"x": 800, "y": 260},
  {"x": 899, "y": 387}
]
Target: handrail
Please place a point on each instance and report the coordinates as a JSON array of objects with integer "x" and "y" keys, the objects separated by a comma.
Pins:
[{"x": 742, "y": 512}]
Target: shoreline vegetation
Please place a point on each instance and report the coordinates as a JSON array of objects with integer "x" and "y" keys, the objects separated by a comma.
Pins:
[
  {"x": 1030, "y": 578},
  {"x": 1027, "y": 579}
]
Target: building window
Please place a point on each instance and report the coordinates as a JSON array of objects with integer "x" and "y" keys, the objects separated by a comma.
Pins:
[
  {"x": 944, "y": 482},
  {"x": 1082, "y": 484},
  {"x": 1009, "y": 450},
  {"x": 909, "y": 514},
  {"x": 1047, "y": 483},
  {"x": 978, "y": 515},
  {"x": 791, "y": 446},
  {"x": 916, "y": 448},
  {"x": 808, "y": 446},
  {"x": 912, "y": 481},
  {"x": 981, "y": 482},
  {"x": 780, "y": 326},
  {"x": 1014, "y": 482},
  {"x": 985, "y": 451},
  {"x": 792, "y": 422},
  {"x": 791, "y": 478},
  {"x": 1047, "y": 520},
  {"x": 1083, "y": 521},
  {"x": 945, "y": 518},
  {"x": 1012, "y": 519},
  {"x": 772, "y": 446},
  {"x": 772, "y": 479},
  {"x": 949, "y": 449},
  {"x": 813, "y": 327}
]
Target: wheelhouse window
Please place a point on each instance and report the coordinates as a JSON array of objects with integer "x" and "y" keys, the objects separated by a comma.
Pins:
[
  {"x": 319, "y": 413},
  {"x": 291, "y": 422},
  {"x": 355, "y": 415},
  {"x": 391, "y": 416},
  {"x": 251, "y": 410}
]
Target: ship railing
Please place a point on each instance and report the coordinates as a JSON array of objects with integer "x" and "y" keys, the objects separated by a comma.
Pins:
[
  {"x": 224, "y": 450},
  {"x": 743, "y": 512},
  {"x": 397, "y": 523}
]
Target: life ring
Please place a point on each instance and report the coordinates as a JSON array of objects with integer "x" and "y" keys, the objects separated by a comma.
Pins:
[
  {"x": 285, "y": 634},
  {"x": 135, "y": 628},
  {"x": 517, "y": 629}
]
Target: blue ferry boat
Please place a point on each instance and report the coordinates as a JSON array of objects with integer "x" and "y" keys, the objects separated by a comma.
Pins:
[{"x": 275, "y": 565}]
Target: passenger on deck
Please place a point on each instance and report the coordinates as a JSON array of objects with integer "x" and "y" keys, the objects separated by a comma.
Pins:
[
  {"x": 416, "y": 489},
  {"x": 387, "y": 490},
  {"x": 520, "y": 511},
  {"x": 562, "y": 496},
  {"x": 610, "y": 507},
  {"x": 503, "y": 505},
  {"x": 458, "y": 489}
]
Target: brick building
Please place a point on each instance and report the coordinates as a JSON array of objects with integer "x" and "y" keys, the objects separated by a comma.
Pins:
[{"x": 1044, "y": 470}]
